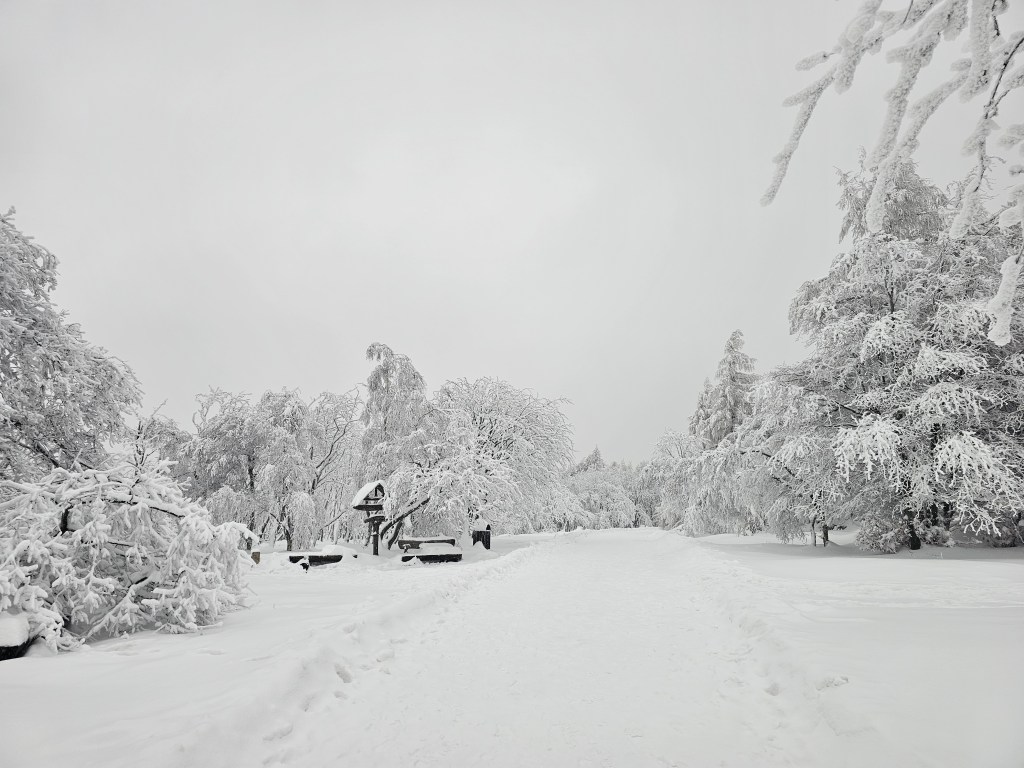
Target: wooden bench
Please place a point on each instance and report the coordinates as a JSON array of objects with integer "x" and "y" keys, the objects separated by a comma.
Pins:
[
  {"x": 308, "y": 561},
  {"x": 415, "y": 542},
  {"x": 430, "y": 549}
]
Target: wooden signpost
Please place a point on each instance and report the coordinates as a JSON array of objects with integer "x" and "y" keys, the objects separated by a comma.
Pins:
[{"x": 370, "y": 499}]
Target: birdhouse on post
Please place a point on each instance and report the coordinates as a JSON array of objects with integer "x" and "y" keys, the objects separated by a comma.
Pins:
[{"x": 370, "y": 500}]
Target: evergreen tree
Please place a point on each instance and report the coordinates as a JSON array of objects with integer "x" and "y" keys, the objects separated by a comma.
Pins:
[
  {"x": 593, "y": 461},
  {"x": 700, "y": 421},
  {"x": 730, "y": 398},
  {"x": 903, "y": 414}
]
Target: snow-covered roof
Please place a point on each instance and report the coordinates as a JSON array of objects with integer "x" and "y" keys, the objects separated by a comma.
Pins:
[{"x": 365, "y": 491}]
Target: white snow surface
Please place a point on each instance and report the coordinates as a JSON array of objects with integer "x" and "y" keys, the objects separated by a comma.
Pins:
[
  {"x": 336, "y": 549},
  {"x": 625, "y": 648},
  {"x": 13, "y": 628}
]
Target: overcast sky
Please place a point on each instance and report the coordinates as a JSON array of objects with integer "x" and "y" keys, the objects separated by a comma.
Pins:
[{"x": 561, "y": 194}]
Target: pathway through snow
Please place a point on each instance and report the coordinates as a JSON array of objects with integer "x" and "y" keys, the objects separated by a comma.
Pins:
[
  {"x": 624, "y": 649},
  {"x": 604, "y": 650}
]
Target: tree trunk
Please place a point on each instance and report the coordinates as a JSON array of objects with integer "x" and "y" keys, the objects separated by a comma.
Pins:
[
  {"x": 915, "y": 541},
  {"x": 286, "y": 525},
  {"x": 397, "y": 532}
]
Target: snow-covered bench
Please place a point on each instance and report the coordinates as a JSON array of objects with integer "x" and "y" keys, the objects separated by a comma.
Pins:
[
  {"x": 329, "y": 554},
  {"x": 430, "y": 549},
  {"x": 415, "y": 542},
  {"x": 14, "y": 634}
]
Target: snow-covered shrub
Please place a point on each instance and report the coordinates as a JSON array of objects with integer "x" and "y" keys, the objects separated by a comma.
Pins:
[
  {"x": 935, "y": 535},
  {"x": 96, "y": 552},
  {"x": 703, "y": 519},
  {"x": 883, "y": 532},
  {"x": 1006, "y": 534}
]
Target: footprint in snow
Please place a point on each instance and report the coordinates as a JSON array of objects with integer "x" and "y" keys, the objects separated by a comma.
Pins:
[
  {"x": 279, "y": 733},
  {"x": 343, "y": 673},
  {"x": 832, "y": 681}
]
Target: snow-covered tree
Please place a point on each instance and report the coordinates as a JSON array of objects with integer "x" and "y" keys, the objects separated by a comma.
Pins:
[
  {"x": 492, "y": 449},
  {"x": 88, "y": 553},
  {"x": 606, "y": 501},
  {"x": 396, "y": 407},
  {"x": 903, "y": 414},
  {"x": 643, "y": 486},
  {"x": 987, "y": 75},
  {"x": 335, "y": 453},
  {"x": 591, "y": 462},
  {"x": 700, "y": 420},
  {"x": 559, "y": 508},
  {"x": 284, "y": 466},
  {"x": 227, "y": 452},
  {"x": 723, "y": 405},
  {"x": 695, "y": 494},
  {"x": 669, "y": 466},
  {"x": 730, "y": 397},
  {"x": 615, "y": 495},
  {"x": 61, "y": 398}
]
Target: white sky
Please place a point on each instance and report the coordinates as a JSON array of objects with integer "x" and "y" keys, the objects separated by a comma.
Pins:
[{"x": 561, "y": 194}]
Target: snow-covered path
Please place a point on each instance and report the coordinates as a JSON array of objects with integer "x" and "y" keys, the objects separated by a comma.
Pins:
[
  {"x": 604, "y": 650},
  {"x": 610, "y": 648}
]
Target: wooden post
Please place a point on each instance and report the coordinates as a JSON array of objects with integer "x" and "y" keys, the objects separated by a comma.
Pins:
[{"x": 375, "y": 533}]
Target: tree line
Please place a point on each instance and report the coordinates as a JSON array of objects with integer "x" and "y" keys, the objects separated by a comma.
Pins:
[
  {"x": 112, "y": 520},
  {"x": 905, "y": 418}
]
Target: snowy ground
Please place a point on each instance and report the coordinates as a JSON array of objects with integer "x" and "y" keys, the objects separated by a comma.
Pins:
[{"x": 615, "y": 648}]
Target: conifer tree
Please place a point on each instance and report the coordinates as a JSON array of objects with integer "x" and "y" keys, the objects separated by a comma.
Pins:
[
  {"x": 593, "y": 461},
  {"x": 730, "y": 398},
  {"x": 903, "y": 414},
  {"x": 700, "y": 421}
]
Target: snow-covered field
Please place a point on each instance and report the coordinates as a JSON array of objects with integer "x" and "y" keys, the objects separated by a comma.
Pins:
[{"x": 613, "y": 648}]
